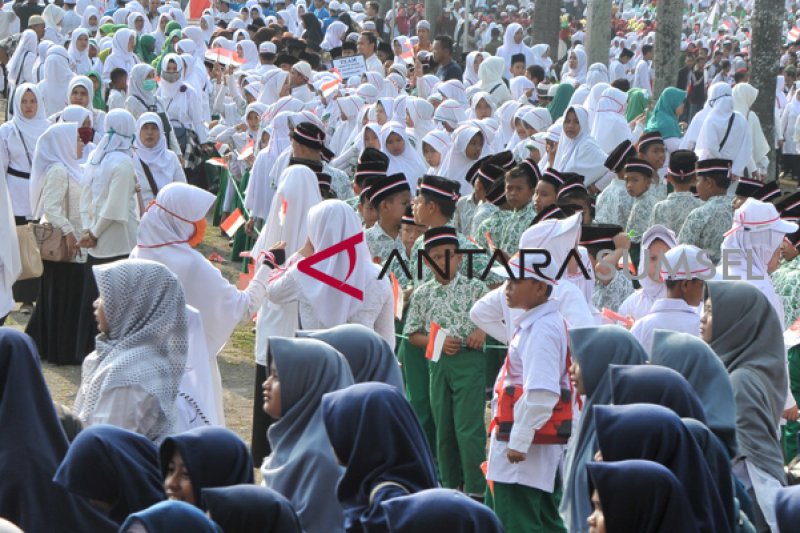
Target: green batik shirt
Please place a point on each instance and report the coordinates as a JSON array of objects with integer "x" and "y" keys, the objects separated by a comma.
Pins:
[
  {"x": 465, "y": 209},
  {"x": 479, "y": 262},
  {"x": 482, "y": 212},
  {"x": 613, "y": 294},
  {"x": 639, "y": 219},
  {"x": 340, "y": 182},
  {"x": 706, "y": 225},
  {"x": 786, "y": 281},
  {"x": 614, "y": 204},
  {"x": 505, "y": 228},
  {"x": 447, "y": 305},
  {"x": 673, "y": 211},
  {"x": 381, "y": 245}
]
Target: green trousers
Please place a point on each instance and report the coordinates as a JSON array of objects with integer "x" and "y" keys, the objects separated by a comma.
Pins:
[
  {"x": 524, "y": 509},
  {"x": 222, "y": 178},
  {"x": 458, "y": 403},
  {"x": 416, "y": 377},
  {"x": 791, "y": 429}
]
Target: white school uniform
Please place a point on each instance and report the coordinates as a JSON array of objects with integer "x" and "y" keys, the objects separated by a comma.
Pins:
[
  {"x": 672, "y": 314},
  {"x": 537, "y": 361}
]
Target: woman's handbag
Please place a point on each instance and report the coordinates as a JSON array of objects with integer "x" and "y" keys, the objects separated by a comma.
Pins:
[
  {"x": 52, "y": 242},
  {"x": 29, "y": 256}
]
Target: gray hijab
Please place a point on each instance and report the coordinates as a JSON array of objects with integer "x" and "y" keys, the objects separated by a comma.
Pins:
[
  {"x": 702, "y": 368},
  {"x": 369, "y": 355},
  {"x": 594, "y": 349},
  {"x": 302, "y": 466},
  {"x": 750, "y": 345}
]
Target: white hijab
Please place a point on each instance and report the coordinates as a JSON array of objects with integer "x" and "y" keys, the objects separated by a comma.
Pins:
[
  {"x": 57, "y": 75},
  {"x": 456, "y": 163},
  {"x": 610, "y": 126},
  {"x": 158, "y": 158},
  {"x": 57, "y": 146},
  {"x": 349, "y": 107},
  {"x": 490, "y": 74},
  {"x": 31, "y": 129},
  {"x": 27, "y": 51},
  {"x": 421, "y": 113},
  {"x": 169, "y": 90},
  {"x": 715, "y": 125},
  {"x": 410, "y": 163},
  {"x": 581, "y": 155},
  {"x": 120, "y": 55},
  {"x": 440, "y": 141},
  {"x": 744, "y": 96},
  {"x": 79, "y": 61}
]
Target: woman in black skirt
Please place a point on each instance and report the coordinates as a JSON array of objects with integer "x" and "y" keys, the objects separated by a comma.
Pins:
[{"x": 56, "y": 185}]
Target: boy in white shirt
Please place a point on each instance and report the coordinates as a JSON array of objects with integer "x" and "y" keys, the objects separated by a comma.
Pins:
[
  {"x": 523, "y": 465},
  {"x": 686, "y": 269}
]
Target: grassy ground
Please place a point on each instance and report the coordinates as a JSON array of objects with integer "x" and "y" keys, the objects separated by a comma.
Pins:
[{"x": 236, "y": 362}]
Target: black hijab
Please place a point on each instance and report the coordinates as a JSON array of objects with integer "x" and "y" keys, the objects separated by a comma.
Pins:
[
  {"x": 113, "y": 465},
  {"x": 214, "y": 457},
  {"x": 251, "y": 509},
  {"x": 642, "y": 497},
  {"x": 657, "y": 385},
  {"x": 376, "y": 435},
  {"x": 313, "y": 33},
  {"x": 32, "y": 445},
  {"x": 439, "y": 510},
  {"x": 655, "y": 433}
]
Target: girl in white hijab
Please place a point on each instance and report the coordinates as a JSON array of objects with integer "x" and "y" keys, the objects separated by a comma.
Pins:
[
  {"x": 122, "y": 55},
  {"x": 334, "y": 35},
  {"x": 467, "y": 146},
  {"x": 180, "y": 100},
  {"x": 610, "y": 125},
  {"x": 419, "y": 118},
  {"x": 450, "y": 114},
  {"x": 249, "y": 52},
  {"x": 594, "y": 98},
  {"x": 207, "y": 27},
  {"x": 541, "y": 57},
  {"x": 131, "y": 380},
  {"x": 322, "y": 306},
  {"x": 53, "y": 18},
  {"x": 474, "y": 60},
  {"x": 511, "y": 47},
  {"x": 403, "y": 158},
  {"x": 154, "y": 164},
  {"x": 435, "y": 146},
  {"x": 744, "y": 96},
  {"x": 274, "y": 86},
  {"x": 576, "y": 67},
  {"x": 640, "y": 302},
  {"x": 490, "y": 74},
  {"x": 505, "y": 116},
  {"x": 258, "y": 196},
  {"x": 425, "y": 85},
  {"x": 78, "y": 52},
  {"x": 138, "y": 23},
  {"x": 20, "y": 68},
  {"x": 737, "y": 146},
  {"x": 158, "y": 33},
  {"x": 348, "y": 106},
  {"x": 57, "y": 75},
  {"x": 38, "y": 65},
  {"x": 18, "y": 139},
  {"x": 577, "y": 151},
  {"x": 86, "y": 20},
  {"x": 80, "y": 92}
]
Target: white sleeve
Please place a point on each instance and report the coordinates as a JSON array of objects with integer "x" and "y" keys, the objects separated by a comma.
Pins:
[
  {"x": 487, "y": 314},
  {"x": 531, "y": 412},
  {"x": 384, "y": 322}
]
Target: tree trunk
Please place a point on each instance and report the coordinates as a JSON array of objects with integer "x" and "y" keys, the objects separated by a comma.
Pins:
[
  {"x": 433, "y": 9},
  {"x": 598, "y": 32},
  {"x": 766, "y": 26},
  {"x": 547, "y": 23},
  {"x": 667, "y": 57}
]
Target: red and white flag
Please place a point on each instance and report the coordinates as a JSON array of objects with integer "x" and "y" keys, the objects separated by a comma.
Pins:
[
  {"x": 224, "y": 56},
  {"x": 794, "y": 33},
  {"x": 247, "y": 151},
  {"x": 217, "y": 162},
  {"x": 283, "y": 211},
  {"x": 397, "y": 293},
  {"x": 231, "y": 224},
  {"x": 436, "y": 339}
]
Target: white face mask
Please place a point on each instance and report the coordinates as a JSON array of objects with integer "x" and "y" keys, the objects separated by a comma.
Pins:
[{"x": 171, "y": 77}]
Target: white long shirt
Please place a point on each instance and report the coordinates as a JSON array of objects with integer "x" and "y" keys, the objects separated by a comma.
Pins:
[
  {"x": 537, "y": 362},
  {"x": 672, "y": 314}
]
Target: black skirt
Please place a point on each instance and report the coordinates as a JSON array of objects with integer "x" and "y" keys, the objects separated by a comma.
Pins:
[
  {"x": 87, "y": 325},
  {"x": 54, "y": 323}
]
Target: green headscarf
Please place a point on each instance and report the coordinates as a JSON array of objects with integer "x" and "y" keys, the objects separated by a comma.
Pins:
[
  {"x": 146, "y": 48},
  {"x": 171, "y": 26},
  {"x": 563, "y": 95},
  {"x": 167, "y": 48},
  {"x": 663, "y": 118},
  {"x": 98, "y": 103},
  {"x": 107, "y": 30},
  {"x": 637, "y": 104}
]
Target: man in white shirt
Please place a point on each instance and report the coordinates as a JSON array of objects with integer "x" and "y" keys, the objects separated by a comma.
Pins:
[
  {"x": 684, "y": 267},
  {"x": 71, "y": 18},
  {"x": 619, "y": 67},
  {"x": 643, "y": 79},
  {"x": 298, "y": 79},
  {"x": 367, "y": 44}
]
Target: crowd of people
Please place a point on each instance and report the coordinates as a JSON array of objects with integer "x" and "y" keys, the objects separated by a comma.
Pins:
[{"x": 492, "y": 287}]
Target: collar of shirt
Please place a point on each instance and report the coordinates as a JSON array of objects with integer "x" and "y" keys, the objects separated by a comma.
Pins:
[
  {"x": 672, "y": 304},
  {"x": 526, "y": 319},
  {"x": 380, "y": 233}
]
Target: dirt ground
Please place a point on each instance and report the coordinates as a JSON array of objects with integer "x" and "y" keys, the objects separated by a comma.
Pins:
[{"x": 236, "y": 362}]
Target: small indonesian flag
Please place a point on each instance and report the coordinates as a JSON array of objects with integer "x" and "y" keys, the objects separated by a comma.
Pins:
[
  {"x": 616, "y": 317},
  {"x": 225, "y": 57},
  {"x": 231, "y": 224},
  {"x": 397, "y": 293},
  {"x": 247, "y": 151},
  {"x": 794, "y": 33},
  {"x": 331, "y": 86},
  {"x": 217, "y": 162},
  {"x": 245, "y": 277},
  {"x": 436, "y": 339},
  {"x": 407, "y": 51},
  {"x": 283, "y": 211}
]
